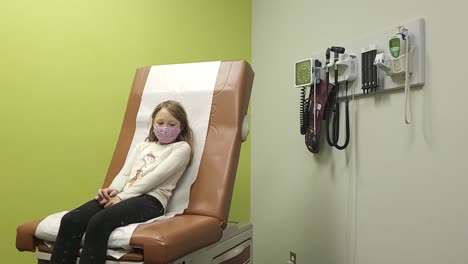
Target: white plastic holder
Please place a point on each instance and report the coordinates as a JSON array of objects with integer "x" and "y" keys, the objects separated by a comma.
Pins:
[
  {"x": 319, "y": 72},
  {"x": 395, "y": 67},
  {"x": 347, "y": 68}
]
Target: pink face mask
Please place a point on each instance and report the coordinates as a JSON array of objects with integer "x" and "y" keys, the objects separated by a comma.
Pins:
[{"x": 166, "y": 135}]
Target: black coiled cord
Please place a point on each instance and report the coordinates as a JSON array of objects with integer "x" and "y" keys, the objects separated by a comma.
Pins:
[
  {"x": 304, "y": 108},
  {"x": 347, "y": 123},
  {"x": 336, "y": 123}
]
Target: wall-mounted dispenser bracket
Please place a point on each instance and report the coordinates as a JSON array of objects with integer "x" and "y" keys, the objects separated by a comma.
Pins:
[
  {"x": 395, "y": 67},
  {"x": 347, "y": 68}
]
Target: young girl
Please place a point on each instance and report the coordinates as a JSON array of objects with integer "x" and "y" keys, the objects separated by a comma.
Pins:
[{"x": 138, "y": 193}]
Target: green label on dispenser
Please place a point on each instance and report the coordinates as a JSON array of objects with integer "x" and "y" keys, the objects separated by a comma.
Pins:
[{"x": 395, "y": 47}]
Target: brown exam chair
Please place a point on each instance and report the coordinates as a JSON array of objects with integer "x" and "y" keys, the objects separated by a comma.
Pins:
[{"x": 202, "y": 234}]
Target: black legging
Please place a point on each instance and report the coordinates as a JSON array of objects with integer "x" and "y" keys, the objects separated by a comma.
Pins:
[{"x": 98, "y": 223}]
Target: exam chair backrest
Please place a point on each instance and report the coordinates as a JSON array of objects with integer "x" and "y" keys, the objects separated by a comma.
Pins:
[{"x": 211, "y": 193}]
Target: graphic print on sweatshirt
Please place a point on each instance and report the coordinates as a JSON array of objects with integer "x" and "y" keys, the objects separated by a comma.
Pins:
[{"x": 144, "y": 162}]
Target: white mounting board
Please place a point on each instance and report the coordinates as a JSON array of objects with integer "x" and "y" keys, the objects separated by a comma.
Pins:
[{"x": 417, "y": 37}]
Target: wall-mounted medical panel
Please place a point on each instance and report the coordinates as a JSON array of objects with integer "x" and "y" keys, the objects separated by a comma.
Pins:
[{"x": 358, "y": 64}]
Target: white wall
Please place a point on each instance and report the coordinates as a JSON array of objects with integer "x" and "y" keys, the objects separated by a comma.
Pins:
[{"x": 411, "y": 204}]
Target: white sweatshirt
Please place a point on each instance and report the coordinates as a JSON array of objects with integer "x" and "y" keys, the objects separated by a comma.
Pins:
[{"x": 153, "y": 169}]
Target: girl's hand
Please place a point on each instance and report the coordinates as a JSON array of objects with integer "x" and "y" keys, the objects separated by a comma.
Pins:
[
  {"x": 112, "y": 201},
  {"x": 106, "y": 194}
]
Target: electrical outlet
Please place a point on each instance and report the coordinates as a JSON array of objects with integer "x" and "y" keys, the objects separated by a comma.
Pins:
[{"x": 292, "y": 257}]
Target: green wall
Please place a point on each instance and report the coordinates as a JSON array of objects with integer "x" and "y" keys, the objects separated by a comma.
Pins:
[{"x": 66, "y": 68}]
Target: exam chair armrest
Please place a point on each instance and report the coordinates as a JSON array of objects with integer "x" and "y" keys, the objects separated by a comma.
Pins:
[
  {"x": 25, "y": 236},
  {"x": 167, "y": 240}
]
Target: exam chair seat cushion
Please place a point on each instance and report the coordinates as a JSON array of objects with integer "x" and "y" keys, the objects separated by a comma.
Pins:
[{"x": 171, "y": 238}]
